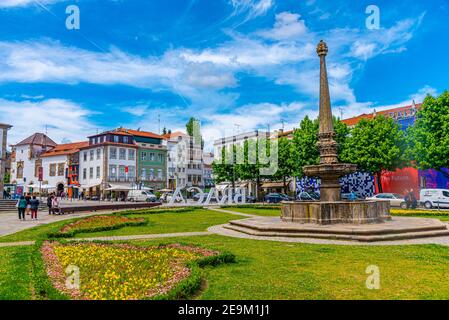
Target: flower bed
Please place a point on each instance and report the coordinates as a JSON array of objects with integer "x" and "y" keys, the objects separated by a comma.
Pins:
[
  {"x": 95, "y": 224},
  {"x": 418, "y": 212},
  {"x": 122, "y": 271}
]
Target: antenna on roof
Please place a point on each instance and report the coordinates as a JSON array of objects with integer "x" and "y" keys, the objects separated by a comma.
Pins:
[{"x": 159, "y": 123}]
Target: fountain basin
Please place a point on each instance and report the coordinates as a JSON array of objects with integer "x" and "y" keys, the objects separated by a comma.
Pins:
[{"x": 333, "y": 212}]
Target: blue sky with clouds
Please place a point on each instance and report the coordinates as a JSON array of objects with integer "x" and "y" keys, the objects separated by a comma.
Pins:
[{"x": 235, "y": 64}]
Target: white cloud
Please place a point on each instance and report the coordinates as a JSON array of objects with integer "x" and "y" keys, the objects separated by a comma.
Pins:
[
  {"x": 252, "y": 8},
  {"x": 23, "y": 3},
  {"x": 287, "y": 26},
  {"x": 65, "y": 120}
]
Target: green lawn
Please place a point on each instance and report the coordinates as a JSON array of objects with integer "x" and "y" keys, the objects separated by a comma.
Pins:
[
  {"x": 15, "y": 268},
  {"x": 260, "y": 211},
  {"x": 276, "y": 270},
  {"x": 168, "y": 222}
]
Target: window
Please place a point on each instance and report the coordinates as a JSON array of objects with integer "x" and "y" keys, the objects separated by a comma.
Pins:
[
  {"x": 151, "y": 156},
  {"x": 189, "y": 178},
  {"x": 98, "y": 154},
  {"x": 85, "y": 155},
  {"x": 113, "y": 153},
  {"x": 116, "y": 139},
  {"x": 60, "y": 169},
  {"x": 131, "y": 154},
  {"x": 446, "y": 194},
  {"x": 121, "y": 172},
  {"x": 98, "y": 172},
  {"x": 84, "y": 173},
  {"x": 91, "y": 173},
  {"x": 151, "y": 174},
  {"x": 91, "y": 152},
  {"x": 112, "y": 171},
  {"x": 143, "y": 174},
  {"x": 122, "y": 154},
  {"x": 159, "y": 174},
  {"x": 52, "y": 169},
  {"x": 125, "y": 139},
  {"x": 143, "y": 156},
  {"x": 161, "y": 158},
  {"x": 20, "y": 170},
  {"x": 131, "y": 171}
]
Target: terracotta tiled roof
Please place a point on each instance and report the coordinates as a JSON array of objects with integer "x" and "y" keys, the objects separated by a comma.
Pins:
[
  {"x": 139, "y": 133},
  {"x": 39, "y": 139},
  {"x": 388, "y": 113},
  {"x": 174, "y": 134},
  {"x": 66, "y": 149}
]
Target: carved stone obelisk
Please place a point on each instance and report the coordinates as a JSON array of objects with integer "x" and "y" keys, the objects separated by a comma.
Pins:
[{"x": 329, "y": 169}]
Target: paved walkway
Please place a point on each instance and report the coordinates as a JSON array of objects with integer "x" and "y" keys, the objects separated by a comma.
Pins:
[
  {"x": 220, "y": 230},
  {"x": 218, "y": 209},
  {"x": 10, "y": 223}
]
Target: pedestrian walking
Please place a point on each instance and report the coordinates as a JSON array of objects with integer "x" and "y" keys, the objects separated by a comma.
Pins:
[
  {"x": 49, "y": 202},
  {"x": 28, "y": 207},
  {"x": 21, "y": 206},
  {"x": 55, "y": 205},
  {"x": 34, "y": 203},
  {"x": 413, "y": 200},
  {"x": 407, "y": 199}
]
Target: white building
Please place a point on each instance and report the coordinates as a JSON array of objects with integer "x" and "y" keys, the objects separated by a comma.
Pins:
[
  {"x": 108, "y": 163},
  {"x": 185, "y": 161},
  {"x": 237, "y": 140},
  {"x": 26, "y": 161},
  {"x": 3, "y": 143},
  {"x": 60, "y": 167}
]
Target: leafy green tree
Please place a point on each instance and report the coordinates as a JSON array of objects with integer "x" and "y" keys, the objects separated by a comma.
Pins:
[
  {"x": 190, "y": 126},
  {"x": 376, "y": 145},
  {"x": 224, "y": 168},
  {"x": 6, "y": 177},
  {"x": 428, "y": 138},
  {"x": 285, "y": 161},
  {"x": 304, "y": 150}
]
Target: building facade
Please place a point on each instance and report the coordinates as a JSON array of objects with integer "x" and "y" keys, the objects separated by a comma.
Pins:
[
  {"x": 185, "y": 161},
  {"x": 151, "y": 159},
  {"x": 3, "y": 154},
  {"x": 26, "y": 162},
  {"x": 108, "y": 163}
]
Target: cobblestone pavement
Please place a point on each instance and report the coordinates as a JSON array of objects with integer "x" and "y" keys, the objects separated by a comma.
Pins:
[{"x": 220, "y": 230}]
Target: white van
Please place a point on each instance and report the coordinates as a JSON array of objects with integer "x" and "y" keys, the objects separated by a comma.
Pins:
[
  {"x": 434, "y": 198},
  {"x": 141, "y": 195}
]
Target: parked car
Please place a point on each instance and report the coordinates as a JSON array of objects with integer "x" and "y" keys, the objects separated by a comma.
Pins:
[
  {"x": 248, "y": 199},
  {"x": 396, "y": 200},
  {"x": 140, "y": 195},
  {"x": 276, "y": 197},
  {"x": 308, "y": 196},
  {"x": 196, "y": 197},
  {"x": 347, "y": 196},
  {"x": 434, "y": 198},
  {"x": 166, "y": 197}
]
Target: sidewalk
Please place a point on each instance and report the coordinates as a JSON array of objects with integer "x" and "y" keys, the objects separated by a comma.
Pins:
[{"x": 10, "y": 223}]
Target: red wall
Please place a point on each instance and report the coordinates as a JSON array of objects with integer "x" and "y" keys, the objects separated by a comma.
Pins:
[{"x": 400, "y": 180}]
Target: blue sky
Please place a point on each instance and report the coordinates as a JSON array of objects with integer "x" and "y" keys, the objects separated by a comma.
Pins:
[{"x": 236, "y": 65}]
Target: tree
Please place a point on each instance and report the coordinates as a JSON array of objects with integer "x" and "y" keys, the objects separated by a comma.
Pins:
[
  {"x": 164, "y": 131},
  {"x": 7, "y": 177},
  {"x": 376, "y": 145},
  {"x": 190, "y": 126},
  {"x": 428, "y": 138},
  {"x": 285, "y": 161},
  {"x": 223, "y": 168},
  {"x": 304, "y": 150}
]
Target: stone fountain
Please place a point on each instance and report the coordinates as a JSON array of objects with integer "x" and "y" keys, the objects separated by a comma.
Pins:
[
  {"x": 330, "y": 209},
  {"x": 330, "y": 217}
]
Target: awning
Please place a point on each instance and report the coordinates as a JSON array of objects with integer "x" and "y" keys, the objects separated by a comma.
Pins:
[
  {"x": 116, "y": 187},
  {"x": 274, "y": 184},
  {"x": 87, "y": 186},
  {"x": 46, "y": 187}
]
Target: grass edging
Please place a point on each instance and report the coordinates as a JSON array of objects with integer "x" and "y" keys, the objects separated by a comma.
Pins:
[
  {"x": 41, "y": 283},
  {"x": 189, "y": 286},
  {"x": 70, "y": 234},
  {"x": 154, "y": 211}
]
